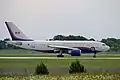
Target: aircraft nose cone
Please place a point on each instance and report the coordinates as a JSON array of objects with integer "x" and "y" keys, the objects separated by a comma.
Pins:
[{"x": 107, "y": 47}]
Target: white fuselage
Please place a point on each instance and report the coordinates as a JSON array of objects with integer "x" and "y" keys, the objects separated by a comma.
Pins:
[
  {"x": 21, "y": 40},
  {"x": 43, "y": 45}
]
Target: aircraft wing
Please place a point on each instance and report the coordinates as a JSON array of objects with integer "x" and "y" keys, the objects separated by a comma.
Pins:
[{"x": 62, "y": 47}]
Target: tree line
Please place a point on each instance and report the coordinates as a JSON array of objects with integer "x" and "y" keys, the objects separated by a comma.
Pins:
[
  {"x": 112, "y": 42},
  {"x": 4, "y": 45}
]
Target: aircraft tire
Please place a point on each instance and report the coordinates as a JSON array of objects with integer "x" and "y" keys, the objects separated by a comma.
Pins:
[
  {"x": 94, "y": 56},
  {"x": 60, "y": 55}
]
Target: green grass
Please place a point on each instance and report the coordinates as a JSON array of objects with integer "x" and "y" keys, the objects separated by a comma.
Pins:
[
  {"x": 28, "y": 53},
  {"x": 99, "y": 63},
  {"x": 59, "y": 63},
  {"x": 51, "y": 63},
  {"x": 23, "y": 53}
]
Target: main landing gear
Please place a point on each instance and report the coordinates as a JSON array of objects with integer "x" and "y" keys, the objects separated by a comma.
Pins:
[
  {"x": 94, "y": 54},
  {"x": 93, "y": 50},
  {"x": 60, "y": 55}
]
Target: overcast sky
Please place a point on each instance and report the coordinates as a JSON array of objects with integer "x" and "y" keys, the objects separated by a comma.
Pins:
[{"x": 42, "y": 19}]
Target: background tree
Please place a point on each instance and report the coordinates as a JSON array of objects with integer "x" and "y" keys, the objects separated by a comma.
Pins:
[
  {"x": 70, "y": 37},
  {"x": 113, "y": 43},
  {"x": 91, "y": 39}
]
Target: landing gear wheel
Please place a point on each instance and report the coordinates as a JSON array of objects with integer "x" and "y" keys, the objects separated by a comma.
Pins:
[
  {"x": 60, "y": 55},
  {"x": 94, "y": 56},
  {"x": 93, "y": 50}
]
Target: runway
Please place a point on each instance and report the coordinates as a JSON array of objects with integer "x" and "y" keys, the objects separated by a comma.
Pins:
[{"x": 69, "y": 58}]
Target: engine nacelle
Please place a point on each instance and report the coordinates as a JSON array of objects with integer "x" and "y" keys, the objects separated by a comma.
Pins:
[{"x": 75, "y": 52}]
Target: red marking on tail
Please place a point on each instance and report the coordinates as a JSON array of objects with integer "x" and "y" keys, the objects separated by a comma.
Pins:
[{"x": 17, "y": 32}]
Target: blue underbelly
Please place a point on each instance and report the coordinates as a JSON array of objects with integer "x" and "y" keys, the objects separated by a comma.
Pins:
[{"x": 65, "y": 51}]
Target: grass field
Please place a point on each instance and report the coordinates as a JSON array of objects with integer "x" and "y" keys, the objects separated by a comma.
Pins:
[
  {"x": 59, "y": 63},
  {"x": 27, "y": 53},
  {"x": 31, "y": 63},
  {"x": 54, "y": 63}
]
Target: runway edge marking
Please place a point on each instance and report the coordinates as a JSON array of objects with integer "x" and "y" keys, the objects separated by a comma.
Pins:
[{"x": 55, "y": 58}]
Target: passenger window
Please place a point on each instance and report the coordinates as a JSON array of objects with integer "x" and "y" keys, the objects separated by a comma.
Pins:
[
  {"x": 33, "y": 46},
  {"x": 19, "y": 43}
]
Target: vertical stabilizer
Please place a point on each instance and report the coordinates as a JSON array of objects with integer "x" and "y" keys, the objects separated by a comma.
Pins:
[{"x": 16, "y": 33}]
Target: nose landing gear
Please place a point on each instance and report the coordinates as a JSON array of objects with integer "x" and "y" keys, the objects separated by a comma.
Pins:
[
  {"x": 94, "y": 54},
  {"x": 94, "y": 51}
]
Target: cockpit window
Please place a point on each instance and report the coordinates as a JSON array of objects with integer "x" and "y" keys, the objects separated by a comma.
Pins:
[{"x": 103, "y": 44}]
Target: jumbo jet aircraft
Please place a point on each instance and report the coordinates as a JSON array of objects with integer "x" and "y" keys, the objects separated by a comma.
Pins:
[{"x": 74, "y": 48}]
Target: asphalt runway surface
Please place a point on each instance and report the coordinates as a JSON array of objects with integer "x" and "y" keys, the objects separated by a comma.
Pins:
[{"x": 115, "y": 58}]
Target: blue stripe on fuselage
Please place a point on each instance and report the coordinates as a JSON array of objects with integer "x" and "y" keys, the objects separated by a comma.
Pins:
[
  {"x": 83, "y": 50},
  {"x": 86, "y": 50}
]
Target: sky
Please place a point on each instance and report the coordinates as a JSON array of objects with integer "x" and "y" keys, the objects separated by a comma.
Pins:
[{"x": 43, "y": 19}]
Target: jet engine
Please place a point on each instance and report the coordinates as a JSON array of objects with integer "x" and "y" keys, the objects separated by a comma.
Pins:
[{"x": 75, "y": 52}]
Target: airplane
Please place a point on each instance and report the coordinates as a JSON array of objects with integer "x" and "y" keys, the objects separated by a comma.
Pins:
[{"x": 73, "y": 48}]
